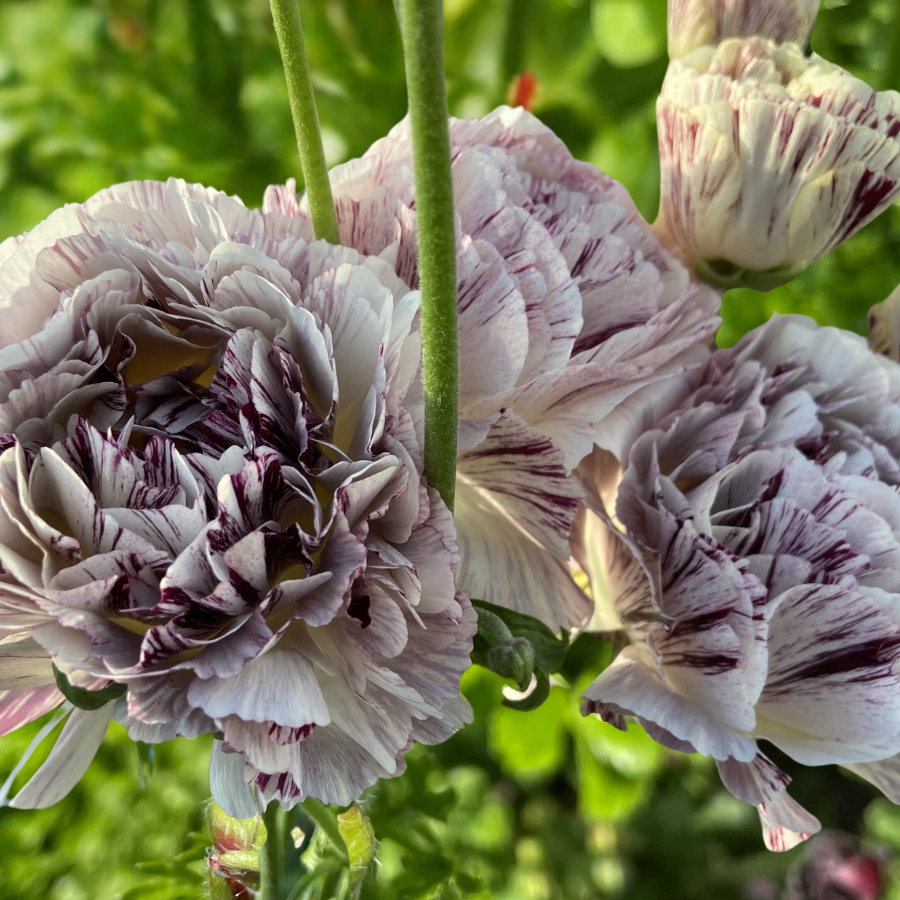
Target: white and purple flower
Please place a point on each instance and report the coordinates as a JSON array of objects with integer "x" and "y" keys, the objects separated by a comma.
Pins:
[
  {"x": 695, "y": 23},
  {"x": 770, "y": 159},
  {"x": 211, "y": 494},
  {"x": 753, "y": 559},
  {"x": 574, "y": 323}
]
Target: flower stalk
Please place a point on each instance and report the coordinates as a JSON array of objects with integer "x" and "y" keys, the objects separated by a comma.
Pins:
[
  {"x": 286, "y": 16},
  {"x": 421, "y": 23},
  {"x": 271, "y": 855}
]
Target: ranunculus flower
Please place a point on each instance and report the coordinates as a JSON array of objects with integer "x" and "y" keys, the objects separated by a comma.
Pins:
[
  {"x": 693, "y": 23},
  {"x": 211, "y": 494},
  {"x": 574, "y": 323},
  {"x": 770, "y": 159},
  {"x": 753, "y": 559}
]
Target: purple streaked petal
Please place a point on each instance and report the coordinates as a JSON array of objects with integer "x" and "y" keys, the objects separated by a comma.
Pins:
[
  {"x": 633, "y": 686},
  {"x": 785, "y": 823},
  {"x": 69, "y": 759},
  {"x": 18, "y": 708},
  {"x": 228, "y": 785},
  {"x": 280, "y": 686}
]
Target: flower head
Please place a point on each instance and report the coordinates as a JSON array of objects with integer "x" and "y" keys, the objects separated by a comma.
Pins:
[
  {"x": 693, "y": 23},
  {"x": 770, "y": 159},
  {"x": 753, "y": 559},
  {"x": 573, "y": 323},
  {"x": 211, "y": 493}
]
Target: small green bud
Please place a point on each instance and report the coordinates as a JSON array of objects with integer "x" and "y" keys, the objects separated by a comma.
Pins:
[
  {"x": 492, "y": 630},
  {"x": 514, "y": 660},
  {"x": 359, "y": 836},
  {"x": 233, "y": 862}
]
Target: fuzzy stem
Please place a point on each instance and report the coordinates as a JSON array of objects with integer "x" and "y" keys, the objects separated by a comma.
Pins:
[
  {"x": 286, "y": 16},
  {"x": 421, "y": 22},
  {"x": 271, "y": 855}
]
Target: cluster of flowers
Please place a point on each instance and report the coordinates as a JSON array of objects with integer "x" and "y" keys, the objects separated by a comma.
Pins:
[{"x": 213, "y": 511}]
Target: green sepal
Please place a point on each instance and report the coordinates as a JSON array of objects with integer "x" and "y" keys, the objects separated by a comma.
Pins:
[
  {"x": 359, "y": 836},
  {"x": 725, "y": 275},
  {"x": 88, "y": 700}
]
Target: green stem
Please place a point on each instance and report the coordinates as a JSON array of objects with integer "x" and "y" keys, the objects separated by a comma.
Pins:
[
  {"x": 421, "y": 22},
  {"x": 325, "y": 820},
  {"x": 271, "y": 855},
  {"x": 286, "y": 16}
]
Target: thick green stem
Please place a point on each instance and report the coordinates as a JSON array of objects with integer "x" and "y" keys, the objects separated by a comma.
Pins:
[
  {"x": 421, "y": 22},
  {"x": 286, "y": 16},
  {"x": 271, "y": 855}
]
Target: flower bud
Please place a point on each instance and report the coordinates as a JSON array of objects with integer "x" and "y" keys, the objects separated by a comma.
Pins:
[
  {"x": 362, "y": 847},
  {"x": 514, "y": 661},
  {"x": 233, "y": 861},
  {"x": 770, "y": 160},
  {"x": 693, "y": 23}
]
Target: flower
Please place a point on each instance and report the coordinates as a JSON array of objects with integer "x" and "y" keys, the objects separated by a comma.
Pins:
[
  {"x": 770, "y": 159},
  {"x": 884, "y": 329},
  {"x": 753, "y": 558},
  {"x": 211, "y": 495},
  {"x": 693, "y": 23},
  {"x": 573, "y": 323}
]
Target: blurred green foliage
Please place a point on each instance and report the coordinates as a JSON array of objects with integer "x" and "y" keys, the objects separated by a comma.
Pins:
[{"x": 542, "y": 805}]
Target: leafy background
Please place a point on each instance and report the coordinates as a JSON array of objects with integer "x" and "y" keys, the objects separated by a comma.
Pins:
[{"x": 520, "y": 806}]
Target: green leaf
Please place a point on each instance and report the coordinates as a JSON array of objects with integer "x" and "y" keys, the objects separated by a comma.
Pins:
[{"x": 89, "y": 700}]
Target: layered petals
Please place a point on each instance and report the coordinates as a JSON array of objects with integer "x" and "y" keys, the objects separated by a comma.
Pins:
[
  {"x": 752, "y": 556},
  {"x": 211, "y": 495},
  {"x": 569, "y": 308}
]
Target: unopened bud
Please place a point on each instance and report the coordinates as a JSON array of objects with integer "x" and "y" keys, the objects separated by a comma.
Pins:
[
  {"x": 767, "y": 162},
  {"x": 233, "y": 861},
  {"x": 359, "y": 836},
  {"x": 695, "y": 23},
  {"x": 514, "y": 661}
]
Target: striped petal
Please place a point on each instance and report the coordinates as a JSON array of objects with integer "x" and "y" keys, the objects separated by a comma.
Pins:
[
  {"x": 69, "y": 759},
  {"x": 770, "y": 160}
]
